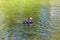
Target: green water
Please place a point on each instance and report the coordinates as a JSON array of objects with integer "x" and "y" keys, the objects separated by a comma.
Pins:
[{"x": 45, "y": 25}]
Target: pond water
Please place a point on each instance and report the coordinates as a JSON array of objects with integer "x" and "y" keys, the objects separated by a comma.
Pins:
[{"x": 45, "y": 27}]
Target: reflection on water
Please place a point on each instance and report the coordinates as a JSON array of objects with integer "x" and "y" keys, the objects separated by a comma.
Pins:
[{"x": 47, "y": 26}]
